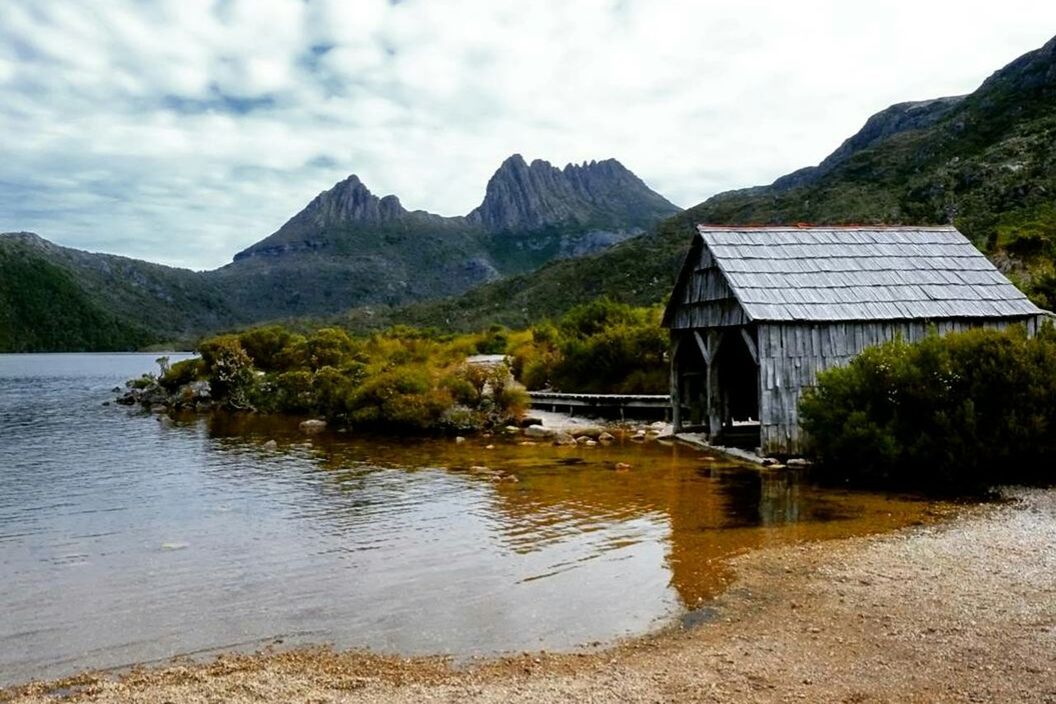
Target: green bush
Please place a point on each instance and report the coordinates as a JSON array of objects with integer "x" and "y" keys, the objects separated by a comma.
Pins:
[
  {"x": 229, "y": 371},
  {"x": 266, "y": 346},
  {"x": 600, "y": 347},
  {"x": 182, "y": 373},
  {"x": 494, "y": 341},
  {"x": 290, "y": 392},
  {"x": 403, "y": 396},
  {"x": 957, "y": 413}
]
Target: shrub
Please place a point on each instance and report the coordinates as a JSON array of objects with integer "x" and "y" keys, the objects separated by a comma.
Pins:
[
  {"x": 599, "y": 347},
  {"x": 954, "y": 413},
  {"x": 292, "y": 392},
  {"x": 400, "y": 397},
  {"x": 229, "y": 370},
  {"x": 328, "y": 347},
  {"x": 265, "y": 346},
  {"x": 182, "y": 373},
  {"x": 493, "y": 341}
]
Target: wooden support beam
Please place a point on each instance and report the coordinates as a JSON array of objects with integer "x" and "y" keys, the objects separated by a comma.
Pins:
[
  {"x": 705, "y": 348},
  {"x": 715, "y": 338},
  {"x": 676, "y": 383},
  {"x": 751, "y": 346},
  {"x": 714, "y": 392}
]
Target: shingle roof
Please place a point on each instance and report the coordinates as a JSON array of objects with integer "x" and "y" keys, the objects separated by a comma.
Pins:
[{"x": 861, "y": 273}]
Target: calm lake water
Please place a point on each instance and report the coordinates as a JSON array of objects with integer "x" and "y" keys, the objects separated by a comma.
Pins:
[{"x": 127, "y": 539}]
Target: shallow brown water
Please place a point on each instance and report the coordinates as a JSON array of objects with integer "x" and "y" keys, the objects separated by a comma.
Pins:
[{"x": 125, "y": 539}]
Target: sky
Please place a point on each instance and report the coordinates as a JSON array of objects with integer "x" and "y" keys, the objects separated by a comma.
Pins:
[{"x": 181, "y": 131}]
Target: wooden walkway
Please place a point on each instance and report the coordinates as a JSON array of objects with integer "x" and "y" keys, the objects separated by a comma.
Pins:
[{"x": 601, "y": 404}]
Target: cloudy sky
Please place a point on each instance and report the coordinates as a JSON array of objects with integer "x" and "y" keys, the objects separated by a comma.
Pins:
[{"x": 181, "y": 131}]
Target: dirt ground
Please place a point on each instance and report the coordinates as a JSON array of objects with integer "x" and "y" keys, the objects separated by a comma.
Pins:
[{"x": 964, "y": 611}]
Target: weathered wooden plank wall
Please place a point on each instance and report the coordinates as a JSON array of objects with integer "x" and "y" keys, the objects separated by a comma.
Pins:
[
  {"x": 706, "y": 299},
  {"x": 791, "y": 355}
]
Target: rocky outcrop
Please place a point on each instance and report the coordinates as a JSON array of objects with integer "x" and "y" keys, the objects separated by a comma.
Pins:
[
  {"x": 522, "y": 196},
  {"x": 149, "y": 393}
]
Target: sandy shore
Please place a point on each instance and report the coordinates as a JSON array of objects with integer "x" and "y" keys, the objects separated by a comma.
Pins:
[{"x": 960, "y": 612}]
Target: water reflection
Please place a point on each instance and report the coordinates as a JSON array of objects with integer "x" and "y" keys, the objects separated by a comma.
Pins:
[
  {"x": 124, "y": 537},
  {"x": 709, "y": 509}
]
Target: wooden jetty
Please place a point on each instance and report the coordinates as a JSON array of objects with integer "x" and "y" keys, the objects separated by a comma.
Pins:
[{"x": 621, "y": 405}]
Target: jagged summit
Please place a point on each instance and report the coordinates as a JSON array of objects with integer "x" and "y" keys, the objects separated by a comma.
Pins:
[
  {"x": 522, "y": 196},
  {"x": 351, "y": 201}
]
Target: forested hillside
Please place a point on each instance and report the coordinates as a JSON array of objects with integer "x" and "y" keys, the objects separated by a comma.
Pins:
[{"x": 985, "y": 162}]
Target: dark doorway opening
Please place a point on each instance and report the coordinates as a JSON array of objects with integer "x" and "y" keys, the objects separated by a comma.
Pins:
[{"x": 738, "y": 391}]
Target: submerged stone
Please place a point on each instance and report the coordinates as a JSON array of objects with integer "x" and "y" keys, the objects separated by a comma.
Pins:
[{"x": 313, "y": 425}]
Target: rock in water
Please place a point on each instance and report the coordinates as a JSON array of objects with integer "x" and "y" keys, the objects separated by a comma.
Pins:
[
  {"x": 312, "y": 426},
  {"x": 564, "y": 439}
]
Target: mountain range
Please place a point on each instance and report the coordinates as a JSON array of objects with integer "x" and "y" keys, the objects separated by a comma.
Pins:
[
  {"x": 346, "y": 248},
  {"x": 985, "y": 162},
  {"x": 545, "y": 239}
]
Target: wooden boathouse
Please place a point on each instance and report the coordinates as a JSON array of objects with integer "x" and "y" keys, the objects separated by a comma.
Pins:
[{"x": 757, "y": 312}]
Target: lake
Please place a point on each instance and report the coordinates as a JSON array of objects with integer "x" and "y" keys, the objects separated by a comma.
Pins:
[{"x": 126, "y": 537}]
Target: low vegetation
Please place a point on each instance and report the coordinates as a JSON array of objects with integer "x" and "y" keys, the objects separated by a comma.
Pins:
[
  {"x": 403, "y": 379},
  {"x": 416, "y": 380},
  {"x": 957, "y": 413},
  {"x": 598, "y": 347}
]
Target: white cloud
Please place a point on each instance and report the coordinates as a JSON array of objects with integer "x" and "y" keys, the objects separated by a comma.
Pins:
[{"x": 184, "y": 130}]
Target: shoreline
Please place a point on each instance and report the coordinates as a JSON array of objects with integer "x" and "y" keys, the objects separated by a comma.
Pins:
[{"x": 962, "y": 610}]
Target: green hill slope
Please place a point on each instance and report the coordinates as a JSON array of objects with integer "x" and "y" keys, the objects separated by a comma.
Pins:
[
  {"x": 985, "y": 162},
  {"x": 640, "y": 271},
  {"x": 42, "y": 308}
]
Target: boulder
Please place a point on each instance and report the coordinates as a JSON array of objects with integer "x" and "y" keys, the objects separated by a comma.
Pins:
[
  {"x": 538, "y": 431},
  {"x": 271, "y": 445},
  {"x": 529, "y": 421},
  {"x": 583, "y": 439},
  {"x": 312, "y": 426},
  {"x": 564, "y": 439},
  {"x": 459, "y": 440},
  {"x": 606, "y": 438},
  {"x": 622, "y": 467}
]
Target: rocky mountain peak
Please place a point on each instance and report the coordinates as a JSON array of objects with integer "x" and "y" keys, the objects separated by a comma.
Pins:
[
  {"x": 30, "y": 238},
  {"x": 522, "y": 196},
  {"x": 350, "y": 201}
]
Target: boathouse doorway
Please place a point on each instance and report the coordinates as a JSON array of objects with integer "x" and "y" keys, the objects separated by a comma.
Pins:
[{"x": 737, "y": 390}]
